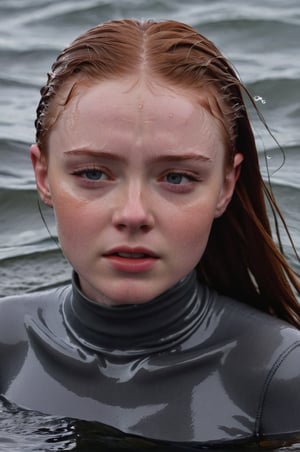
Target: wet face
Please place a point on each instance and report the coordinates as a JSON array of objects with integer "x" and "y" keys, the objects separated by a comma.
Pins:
[{"x": 135, "y": 174}]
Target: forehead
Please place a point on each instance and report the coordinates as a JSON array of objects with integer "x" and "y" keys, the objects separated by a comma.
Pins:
[
  {"x": 135, "y": 100},
  {"x": 136, "y": 118}
]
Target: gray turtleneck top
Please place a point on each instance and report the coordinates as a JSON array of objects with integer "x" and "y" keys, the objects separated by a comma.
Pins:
[{"x": 190, "y": 366}]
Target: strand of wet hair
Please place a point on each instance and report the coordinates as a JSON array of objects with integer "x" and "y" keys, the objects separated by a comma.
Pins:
[
  {"x": 54, "y": 239},
  {"x": 269, "y": 190}
]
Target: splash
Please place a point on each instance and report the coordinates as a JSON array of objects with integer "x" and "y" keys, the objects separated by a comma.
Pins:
[{"x": 260, "y": 99}]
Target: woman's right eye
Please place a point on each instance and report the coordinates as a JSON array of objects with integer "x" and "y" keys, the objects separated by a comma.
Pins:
[{"x": 92, "y": 174}]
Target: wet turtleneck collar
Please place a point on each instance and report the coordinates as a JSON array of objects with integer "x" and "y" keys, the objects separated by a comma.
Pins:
[{"x": 135, "y": 329}]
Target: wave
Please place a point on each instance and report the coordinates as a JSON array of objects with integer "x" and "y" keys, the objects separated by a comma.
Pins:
[
  {"x": 16, "y": 170},
  {"x": 29, "y": 12},
  {"x": 22, "y": 229},
  {"x": 30, "y": 257},
  {"x": 230, "y": 15},
  {"x": 32, "y": 272},
  {"x": 290, "y": 85}
]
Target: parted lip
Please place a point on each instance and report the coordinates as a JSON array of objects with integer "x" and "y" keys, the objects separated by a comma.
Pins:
[{"x": 130, "y": 250}]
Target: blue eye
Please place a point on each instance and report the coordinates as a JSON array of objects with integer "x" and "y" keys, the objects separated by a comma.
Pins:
[
  {"x": 93, "y": 174},
  {"x": 92, "y": 177},
  {"x": 175, "y": 178}
]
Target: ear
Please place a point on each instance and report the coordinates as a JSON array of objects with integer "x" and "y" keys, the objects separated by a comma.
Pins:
[
  {"x": 230, "y": 178},
  {"x": 40, "y": 167}
]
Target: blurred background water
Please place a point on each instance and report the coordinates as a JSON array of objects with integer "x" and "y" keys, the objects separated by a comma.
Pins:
[{"x": 260, "y": 38}]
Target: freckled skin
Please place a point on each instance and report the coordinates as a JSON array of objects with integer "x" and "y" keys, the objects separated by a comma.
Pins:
[{"x": 134, "y": 203}]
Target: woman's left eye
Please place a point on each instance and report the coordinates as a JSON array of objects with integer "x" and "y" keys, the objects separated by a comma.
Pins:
[
  {"x": 177, "y": 178},
  {"x": 94, "y": 174}
]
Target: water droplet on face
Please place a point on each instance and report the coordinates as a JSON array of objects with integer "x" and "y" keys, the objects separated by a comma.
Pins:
[{"x": 260, "y": 99}]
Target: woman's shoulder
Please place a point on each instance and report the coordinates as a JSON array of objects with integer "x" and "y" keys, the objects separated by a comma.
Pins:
[
  {"x": 257, "y": 339},
  {"x": 247, "y": 320},
  {"x": 280, "y": 399},
  {"x": 265, "y": 354}
]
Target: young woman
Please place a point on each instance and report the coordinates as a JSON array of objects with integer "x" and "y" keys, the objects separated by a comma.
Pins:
[{"x": 182, "y": 320}]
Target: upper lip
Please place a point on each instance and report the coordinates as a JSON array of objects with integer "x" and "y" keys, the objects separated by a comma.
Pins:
[{"x": 131, "y": 250}]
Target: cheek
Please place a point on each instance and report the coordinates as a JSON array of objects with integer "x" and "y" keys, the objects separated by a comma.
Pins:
[
  {"x": 72, "y": 222},
  {"x": 191, "y": 230}
]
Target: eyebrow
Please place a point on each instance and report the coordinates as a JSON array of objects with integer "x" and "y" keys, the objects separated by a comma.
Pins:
[
  {"x": 160, "y": 158},
  {"x": 97, "y": 154},
  {"x": 181, "y": 157}
]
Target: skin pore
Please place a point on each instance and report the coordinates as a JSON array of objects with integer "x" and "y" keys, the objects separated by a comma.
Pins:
[{"x": 135, "y": 173}]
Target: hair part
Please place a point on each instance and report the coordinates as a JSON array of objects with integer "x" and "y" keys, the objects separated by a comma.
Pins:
[{"x": 241, "y": 258}]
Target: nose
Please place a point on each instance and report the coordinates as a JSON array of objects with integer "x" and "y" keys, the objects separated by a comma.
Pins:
[{"x": 134, "y": 212}]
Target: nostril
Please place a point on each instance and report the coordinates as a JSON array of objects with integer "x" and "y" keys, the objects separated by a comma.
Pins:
[
  {"x": 146, "y": 227},
  {"x": 137, "y": 226}
]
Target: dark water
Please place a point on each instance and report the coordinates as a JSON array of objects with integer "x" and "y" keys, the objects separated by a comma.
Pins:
[
  {"x": 30, "y": 431},
  {"x": 261, "y": 38}
]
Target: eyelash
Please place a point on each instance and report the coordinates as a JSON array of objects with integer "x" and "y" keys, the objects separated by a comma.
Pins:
[
  {"x": 189, "y": 176},
  {"x": 82, "y": 173},
  {"x": 181, "y": 187}
]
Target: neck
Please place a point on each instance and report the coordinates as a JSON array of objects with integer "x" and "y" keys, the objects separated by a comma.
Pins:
[{"x": 133, "y": 329}]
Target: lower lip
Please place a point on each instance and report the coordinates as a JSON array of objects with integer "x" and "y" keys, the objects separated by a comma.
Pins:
[{"x": 132, "y": 265}]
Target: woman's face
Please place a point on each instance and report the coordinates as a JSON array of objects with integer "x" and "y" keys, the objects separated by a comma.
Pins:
[{"x": 136, "y": 176}]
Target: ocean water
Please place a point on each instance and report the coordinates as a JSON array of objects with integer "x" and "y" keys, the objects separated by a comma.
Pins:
[{"x": 261, "y": 38}]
